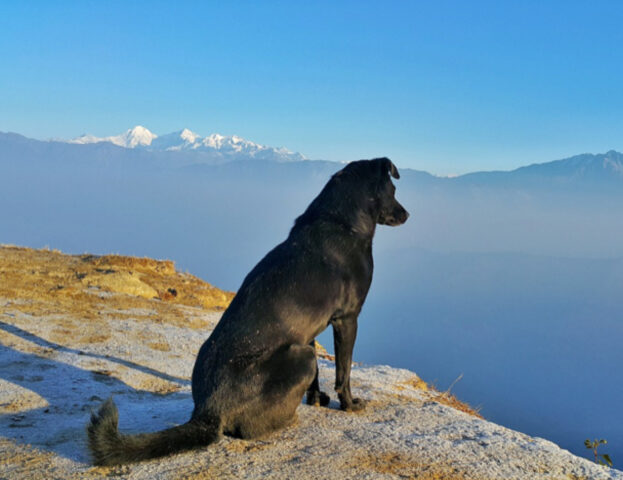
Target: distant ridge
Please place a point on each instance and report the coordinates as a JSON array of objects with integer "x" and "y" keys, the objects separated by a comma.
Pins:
[
  {"x": 586, "y": 164},
  {"x": 586, "y": 168},
  {"x": 138, "y": 145}
]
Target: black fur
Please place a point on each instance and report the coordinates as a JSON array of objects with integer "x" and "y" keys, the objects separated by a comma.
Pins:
[{"x": 253, "y": 370}]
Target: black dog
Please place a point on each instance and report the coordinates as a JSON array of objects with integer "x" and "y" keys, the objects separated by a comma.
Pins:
[{"x": 253, "y": 370}]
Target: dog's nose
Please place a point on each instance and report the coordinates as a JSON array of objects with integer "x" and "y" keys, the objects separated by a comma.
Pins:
[{"x": 402, "y": 214}]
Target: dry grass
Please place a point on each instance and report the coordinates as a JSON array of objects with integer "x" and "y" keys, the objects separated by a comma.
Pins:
[
  {"x": 34, "y": 464},
  {"x": 45, "y": 282},
  {"x": 322, "y": 352},
  {"x": 414, "y": 382},
  {"x": 242, "y": 446},
  {"x": 403, "y": 466},
  {"x": 202, "y": 472},
  {"x": 450, "y": 400},
  {"x": 434, "y": 395}
]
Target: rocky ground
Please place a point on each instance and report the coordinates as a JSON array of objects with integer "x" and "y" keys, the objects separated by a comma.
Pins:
[{"x": 75, "y": 330}]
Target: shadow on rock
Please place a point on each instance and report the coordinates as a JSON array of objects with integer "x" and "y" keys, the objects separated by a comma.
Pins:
[{"x": 52, "y": 412}]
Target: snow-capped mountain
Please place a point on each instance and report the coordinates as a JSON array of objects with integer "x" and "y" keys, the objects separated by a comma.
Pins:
[
  {"x": 186, "y": 140},
  {"x": 135, "y": 137}
]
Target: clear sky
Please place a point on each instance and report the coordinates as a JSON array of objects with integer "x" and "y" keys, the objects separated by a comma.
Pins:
[{"x": 447, "y": 87}]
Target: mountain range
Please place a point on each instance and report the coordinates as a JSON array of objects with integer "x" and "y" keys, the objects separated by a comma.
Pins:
[
  {"x": 585, "y": 168},
  {"x": 231, "y": 146},
  {"x": 139, "y": 145}
]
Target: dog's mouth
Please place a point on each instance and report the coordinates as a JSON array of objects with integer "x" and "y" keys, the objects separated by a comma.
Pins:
[{"x": 396, "y": 217}]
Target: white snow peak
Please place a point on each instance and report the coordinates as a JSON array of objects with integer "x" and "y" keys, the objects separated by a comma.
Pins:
[
  {"x": 137, "y": 136},
  {"x": 231, "y": 146},
  {"x": 188, "y": 136}
]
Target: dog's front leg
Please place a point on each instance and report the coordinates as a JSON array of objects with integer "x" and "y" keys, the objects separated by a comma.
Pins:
[
  {"x": 314, "y": 395},
  {"x": 344, "y": 333}
]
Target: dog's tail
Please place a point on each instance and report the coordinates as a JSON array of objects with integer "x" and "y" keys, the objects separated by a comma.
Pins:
[{"x": 109, "y": 447}]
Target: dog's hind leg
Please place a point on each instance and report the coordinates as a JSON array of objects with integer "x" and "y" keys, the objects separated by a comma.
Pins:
[{"x": 284, "y": 377}]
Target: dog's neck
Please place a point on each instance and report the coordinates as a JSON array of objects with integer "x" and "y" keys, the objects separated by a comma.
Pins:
[
  {"x": 354, "y": 222},
  {"x": 362, "y": 224},
  {"x": 339, "y": 206}
]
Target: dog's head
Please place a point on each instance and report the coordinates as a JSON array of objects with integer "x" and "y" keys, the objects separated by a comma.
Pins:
[
  {"x": 390, "y": 212},
  {"x": 360, "y": 195},
  {"x": 376, "y": 190}
]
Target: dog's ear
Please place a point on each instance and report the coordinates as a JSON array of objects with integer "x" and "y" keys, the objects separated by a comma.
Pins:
[{"x": 389, "y": 166}]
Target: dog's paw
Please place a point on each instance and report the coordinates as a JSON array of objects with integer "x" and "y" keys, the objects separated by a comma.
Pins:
[
  {"x": 318, "y": 398},
  {"x": 356, "y": 405}
]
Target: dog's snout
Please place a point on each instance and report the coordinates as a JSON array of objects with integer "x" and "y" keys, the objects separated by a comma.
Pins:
[
  {"x": 401, "y": 214},
  {"x": 397, "y": 216}
]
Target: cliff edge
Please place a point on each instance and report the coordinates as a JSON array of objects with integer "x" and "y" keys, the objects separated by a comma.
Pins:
[{"x": 76, "y": 329}]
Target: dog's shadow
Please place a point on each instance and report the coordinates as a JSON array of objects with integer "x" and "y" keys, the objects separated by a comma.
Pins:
[{"x": 47, "y": 402}]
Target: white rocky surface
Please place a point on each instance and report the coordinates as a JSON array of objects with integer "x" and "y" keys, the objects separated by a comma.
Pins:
[{"x": 47, "y": 391}]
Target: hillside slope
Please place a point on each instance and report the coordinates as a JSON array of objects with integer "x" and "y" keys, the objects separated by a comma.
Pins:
[{"x": 75, "y": 330}]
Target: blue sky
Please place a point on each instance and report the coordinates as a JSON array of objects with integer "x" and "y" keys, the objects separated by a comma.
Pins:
[{"x": 448, "y": 87}]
